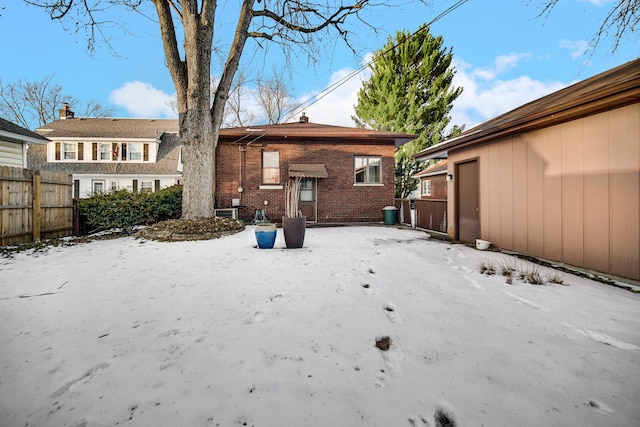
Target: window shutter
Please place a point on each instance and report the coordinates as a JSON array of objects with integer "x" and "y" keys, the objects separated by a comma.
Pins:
[
  {"x": 114, "y": 151},
  {"x": 94, "y": 151},
  {"x": 135, "y": 185},
  {"x": 145, "y": 152},
  {"x": 80, "y": 150},
  {"x": 157, "y": 184},
  {"x": 123, "y": 157},
  {"x": 57, "y": 151},
  {"x": 76, "y": 189}
]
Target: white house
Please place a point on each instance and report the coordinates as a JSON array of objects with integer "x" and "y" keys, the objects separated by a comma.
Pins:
[
  {"x": 110, "y": 153},
  {"x": 14, "y": 140}
]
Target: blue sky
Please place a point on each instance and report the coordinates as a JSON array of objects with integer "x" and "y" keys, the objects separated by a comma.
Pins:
[{"x": 503, "y": 54}]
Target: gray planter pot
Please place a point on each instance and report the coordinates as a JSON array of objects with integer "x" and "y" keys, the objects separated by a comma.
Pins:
[{"x": 294, "y": 229}]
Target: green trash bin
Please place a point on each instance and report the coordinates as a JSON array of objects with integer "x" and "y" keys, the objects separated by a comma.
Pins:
[{"x": 390, "y": 215}]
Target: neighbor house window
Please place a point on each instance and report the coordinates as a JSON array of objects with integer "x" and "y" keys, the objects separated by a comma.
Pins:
[
  {"x": 270, "y": 167},
  {"x": 426, "y": 187},
  {"x": 368, "y": 170},
  {"x": 134, "y": 151},
  {"x": 105, "y": 151},
  {"x": 69, "y": 151},
  {"x": 97, "y": 186}
]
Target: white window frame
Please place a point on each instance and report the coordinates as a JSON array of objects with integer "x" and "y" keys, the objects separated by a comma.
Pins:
[
  {"x": 95, "y": 183},
  {"x": 363, "y": 164},
  {"x": 134, "y": 152},
  {"x": 69, "y": 149},
  {"x": 271, "y": 167},
  {"x": 426, "y": 187},
  {"x": 102, "y": 152}
]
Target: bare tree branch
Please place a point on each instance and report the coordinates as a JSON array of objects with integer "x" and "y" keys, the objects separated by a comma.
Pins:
[
  {"x": 623, "y": 18},
  {"x": 31, "y": 104}
]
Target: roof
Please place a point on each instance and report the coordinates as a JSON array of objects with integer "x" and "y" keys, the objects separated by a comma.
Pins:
[
  {"x": 440, "y": 168},
  {"x": 153, "y": 128},
  {"x": 108, "y": 128},
  {"x": 166, "y": 164},
  {"x": 12, "y": 132},
  {"x": 615, "y": 88},
  {"x": 306, "y": 130}
]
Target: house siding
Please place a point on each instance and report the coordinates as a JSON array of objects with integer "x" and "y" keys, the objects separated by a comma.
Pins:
[
  {"x": 338, "y": 199},
  {"x": 568, "y": 193},
  {"x": 12, "y": 154}
]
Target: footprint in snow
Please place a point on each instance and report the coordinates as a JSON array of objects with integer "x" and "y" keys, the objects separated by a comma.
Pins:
[
  {"x": 606, "y": 339},
  {"x": 366, "y": 288},
  {"x": 391, "y": 312},
  {"x": 473, "y": 283},
  {"x": 258, "y": 316},
  {"x": 599, "y": 407}
]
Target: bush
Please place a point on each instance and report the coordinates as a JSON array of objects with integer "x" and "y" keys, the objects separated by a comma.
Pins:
[
  {"x": 124, "y": 209},
  {"x": 164, "y": 204}
]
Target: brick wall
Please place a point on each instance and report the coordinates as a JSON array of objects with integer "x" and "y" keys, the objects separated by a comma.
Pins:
[
  {"x": 339, "y": 200},
  {"x": 438, "y": 187}
]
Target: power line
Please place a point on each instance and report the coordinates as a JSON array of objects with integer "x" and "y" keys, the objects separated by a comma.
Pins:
[{"x": 352, "y": 74}]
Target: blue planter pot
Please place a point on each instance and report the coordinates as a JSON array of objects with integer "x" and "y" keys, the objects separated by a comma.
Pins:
[{"x": 266, "y": 235}]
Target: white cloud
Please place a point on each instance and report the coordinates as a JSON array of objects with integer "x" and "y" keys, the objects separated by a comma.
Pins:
[
  {"x": 483, "y": 99},
  {"x": 597, "y": 2},
  {"x": 143, "y": 100},
  {"x": 500, "y": 65},
  {"x": 336, "y": 107},
  {"x": 485, "y": 95},
  {"x": 578, "y": 48}
]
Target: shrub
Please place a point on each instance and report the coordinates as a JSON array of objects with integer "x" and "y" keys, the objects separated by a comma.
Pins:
[
  {"x": 124, "y": 209},
  {"x": 164, "y": 204}
]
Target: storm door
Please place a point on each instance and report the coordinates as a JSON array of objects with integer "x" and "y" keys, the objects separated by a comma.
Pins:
[{"x": 308, "y": 202}]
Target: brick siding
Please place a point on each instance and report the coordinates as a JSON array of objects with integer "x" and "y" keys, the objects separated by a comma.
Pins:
[{"x": 338, "y": 199}]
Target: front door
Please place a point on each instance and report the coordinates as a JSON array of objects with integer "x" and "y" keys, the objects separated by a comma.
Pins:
[
  {"x": 307, "y": 203},
  {"x": 467, "y": 201}
]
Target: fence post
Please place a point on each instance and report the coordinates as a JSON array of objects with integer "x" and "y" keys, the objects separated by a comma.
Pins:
[{"x": 35, "y": 206}]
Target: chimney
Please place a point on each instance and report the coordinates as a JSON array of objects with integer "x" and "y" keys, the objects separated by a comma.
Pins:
[
  {"x": 66, "y": 113},
  {"x": 304, "y": 118}
]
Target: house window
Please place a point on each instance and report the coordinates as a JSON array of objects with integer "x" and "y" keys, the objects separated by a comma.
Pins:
[
  {"x": 105, "y": 151},
  {"x": 270, "y": 167},
  {"x": 368, "y": 170},
  {"x": 426, "y": 187},
  {"x": 114, "y": 185},
  {"x": 97, "y": 186},
  {"x": 134, "y": 151},
  {"x": 146, "y": 186},
  {"x": 69, "y": 151}
]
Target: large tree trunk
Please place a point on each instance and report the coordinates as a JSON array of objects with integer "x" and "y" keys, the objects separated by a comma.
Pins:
[{"x": 198, "y": 158}]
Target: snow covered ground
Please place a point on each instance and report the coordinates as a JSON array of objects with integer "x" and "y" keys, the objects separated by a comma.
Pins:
[{"x": 218, "y": 333}]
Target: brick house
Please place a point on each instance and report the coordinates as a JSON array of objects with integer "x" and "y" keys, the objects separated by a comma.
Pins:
[
  {"x": 110, "y": 153},
  {"x": 433, "y": 182},
  {"x": 348, "y": 173}
]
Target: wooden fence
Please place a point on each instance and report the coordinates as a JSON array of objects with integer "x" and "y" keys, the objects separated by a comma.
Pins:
[
  {"x": 430, "y": 214},
  {"x": 34, "y": 205}
]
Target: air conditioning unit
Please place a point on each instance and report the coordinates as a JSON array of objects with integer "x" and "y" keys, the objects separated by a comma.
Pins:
[{"x": 226, "y": 213}]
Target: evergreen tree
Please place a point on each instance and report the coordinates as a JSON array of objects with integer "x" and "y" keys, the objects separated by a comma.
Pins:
[{"x": 409, "y": 91}]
